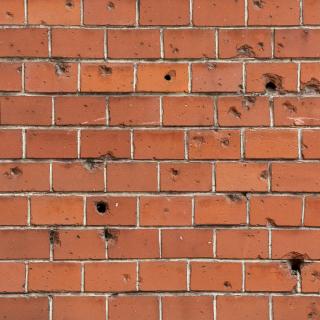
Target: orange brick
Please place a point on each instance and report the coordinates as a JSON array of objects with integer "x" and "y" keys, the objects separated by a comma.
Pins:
[
  {"x": 12, "y": 12},
  {"x": 310, "y": 144},
  {"x": 11, "y": 79},
  {"x": 309, "y": 75},
  {"x": 310, "y": 281},
  {"x": 12, "y": 277},
  {"x": 135, "y": 44},
  {"x": 216, "y": 276},
  {"x": 14, "y": 211},
  {"x": 10, "y": 144},
  {"x": 311, "y": 211},
  {"x": 163, "y": 77},
  {"x": 216, "y": 77},
  {"x": 310, "y": 12},
  {"x": 106, "y": 77}
]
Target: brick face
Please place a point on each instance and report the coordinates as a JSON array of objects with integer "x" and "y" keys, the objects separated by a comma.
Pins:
[{"x": 159, "y": 159}]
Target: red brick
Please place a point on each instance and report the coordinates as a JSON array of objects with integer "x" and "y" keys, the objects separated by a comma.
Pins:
[
  {"x": 54, "y": 12},
  {"x": 245, "y": 43},
  {"x": 246, "y": 308},
  {"x": 14, "y": 211},
  {"x": 111, "y": 211},
  {"x": 208, "y": 144},
  {"x": 79, "y": 244},
  {"x": 77, "y": 176},
  {"x": 310, "y": 12},
  {"x": 134, "y": 111},
  {"x": 12, "y": 277},
  {"x": 142, "y": 307},
  {"x": 283, "y": 76},
  {"x": 110, "y": 277},
  {"x": 31, "y": 307},
  {"x": 80, "y": 111},
  {"x": 158, "y": 144},
  {"x": 135, "y": 44},
  {"x": 189, "y": 43},
  {"x": 139, "y": 176},
  {"x": 24, "y": 244},
  {"x": 165, "y": 77},
  {"x": 231, "y": 176},
  {"x": 295, "y": 243},
  {"x": 106, "y": 77},
  {"x": 11, "y": 79},
  {"x": 56, "y": 210},
  {"x": 171, "y": 276},
  {"x": 165, "y": 211},
  {"x": 18, "y": 176},
  {"x": 131, "y": 244},
  {"x": 187, "y": 307},
  {"x": 185, "y": 176},
  {"x": 16, "y": 42},
  {"x": 51, "y": 77},
  {"x": 74, "y": 43},
  {"x": 310, "y": 144},
  {"x": 311, "y": 211},
  {"x": 273, "y": 12},
  {"x": 295, "y": 177},
  {"x": 310, "y": 281},
  {"x": 220, "y": 210},
  {"x": 309, "y": 75},
  {"x": 275, "y": 210},
  {"x": 12, "y": 12},
  {"x": 217, "y": 13},
  {"x": 10, "y": 144},
  {"x": 115, "y": 12},
  {"x": 242, "y": 244},
  {"x": 274, "y": 277},
  {"x": 68, "y": 308},
  {"x": 109, "y": 144},
  {"x": 165, "y": 12},
  {"x": 271, "y": 144},
  {"x": 216, "y": 77},
  {"x": 243, "y": 111},
  {"x": 54, "y": 277},
  {"x": 46, "y": 144},
  {"x": 216, "y": 276},
  {"x": 187, "y": 111},
  {"x": 25, "y": 110}
]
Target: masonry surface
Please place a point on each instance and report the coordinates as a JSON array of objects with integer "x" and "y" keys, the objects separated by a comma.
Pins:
[{"x": 159, "y": 159}]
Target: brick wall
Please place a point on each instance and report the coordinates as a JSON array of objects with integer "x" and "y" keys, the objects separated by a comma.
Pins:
[{"x": 159, "y": 159}]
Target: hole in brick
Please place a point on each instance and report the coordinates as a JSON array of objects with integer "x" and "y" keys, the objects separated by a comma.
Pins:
[
  {"x": 61, "y": 69},
  {"x": 295, "y": 265},
  {"x": 102, "y": 207},
  {"x": 227, "y": 284},
  {"x": 273, "y": 82},
  {"x": 312, "y": 86},
  {"x": 105, "y": 71},
  {"x": 174, "y": 172},
  {"x": 264, "y": 174},
  {"x": 234, "y": 197},
  {"x": 69, "y": 4},
  {"x": 258, "y": 3},
  {"x": 167, "y": 77},
  {"x": 170, "y": 75},
  {"x": 13, "y": 172},
  {"x": 270, "y": 86},
  {"x": 109, "y": 235},
  {"x": 225, "y": 142},
  {"x": 110, "y": 5},
  {"x": 246, "y": 51},
  {"x": 234, "y": 112},
  {"x": 54, "y": 237}
]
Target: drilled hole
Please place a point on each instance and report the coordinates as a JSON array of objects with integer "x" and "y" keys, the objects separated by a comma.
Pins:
[
  {"x": 270, "y": 86},
  {"x": 102, "y": 207},
  {"x": 168, "y": 77}
]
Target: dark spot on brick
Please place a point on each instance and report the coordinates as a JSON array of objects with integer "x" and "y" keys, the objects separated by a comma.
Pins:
[
  {"x": 271, "y": 222},
  {"x": 9, "y": 14},
  {"x": 227, "y": 284},
  {"x": 61, "y": 69},
  {"x": 13, "y": 172},
  {"x": 170, "y": 75},
  {"x": 234, "y": 112},
  {"x": 290, "y": 107},
  {"x": 110, "y": 5},
  {"x": 295, "y": 264},
  {"x": 54, "y": 237},
  {"x": 234, "y": 197},
  {"x": 264, "y": 174},
  {"x": 105, "y": 71},
  {"x": 102, "y": 207},
  {"x": 273, "y": 82},
  {"x": 311, "y": 86},
  {"x": 246, "y": 51},
  {"x": 258, "y": 3},
  {"x": 69, "y": 4},
  {"x": 110, "y": 235},
  {"x": 225, "y": 142},
  {"x": 174, "y": 172},
  {"x": 90, "y": 164}
]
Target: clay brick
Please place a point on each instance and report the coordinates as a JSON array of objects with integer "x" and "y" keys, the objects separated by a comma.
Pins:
[
  {"x": 310, "y": 281},
  {"x": 11, "y": 79},
  {"x": 25, "y": 110},
  {"x": 207, "y": 144},
  {"x": 309, "y": 78},
  {"x": 44, "y": 144},
  {"x": 243, "y": 111},
  {"x": 165, "y": 77},
  {"x": 273, "y": 12},
  {"x": 310, "y": 12},
  {"x": 193, "y": 243},
  {"x": 245, "y": 43},
  {"x": 12, "y": 277},
  {"x": 134, "y": 111},
  {"x": 14, "y": 211},
  {"x": 220, "y": 210},
  {"x": 108, "y": 77},
  {"x": 275, "y": 210},
  {"x": 165, "y": 211},
  {"x": 217, "y": 13},
  {"x": 311, "y": 211},
  {"x": 47, "y": 210},
  {"x": 231, "y": 176},
  {"x": 108, "y": 144},
  {"x": 54, "y": 12},
  {"x": 10, "y": 144},
  {"x": 165, "y": 12},
  {"x": 274, "y": 277},
  {"x": 110, "y": 277},
  {"x": 217, "y": 77},
  {"x": 134, "y": 44},
  {"x": 158, "y": 144},
  {"x": 189, "y": 43},
  {"x": 187, "y": 111},
  {"x": 171, "y": 276},
  {"x": 12, "y": 12},
  {"x": 185, "y": 176},
  {"x": 105, "y": 12},
  {"x": 216, "y": 276},
  {"x": 111, "y": 211},
  {"x": 73, "y": 43},
  {"x": 242, "y": 244},
  {"x": 310, "y": 144},
  {"x": 48, "y": 277}
]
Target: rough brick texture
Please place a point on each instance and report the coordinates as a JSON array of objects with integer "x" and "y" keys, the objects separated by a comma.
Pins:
[{"x": 159, "y": 159}]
